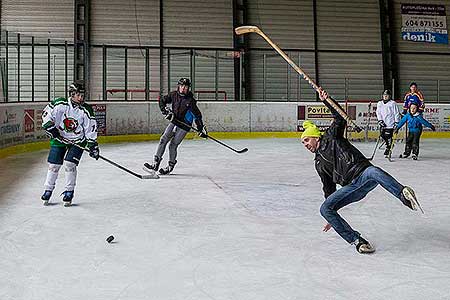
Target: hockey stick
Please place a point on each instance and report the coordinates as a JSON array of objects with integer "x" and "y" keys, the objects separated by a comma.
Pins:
[
  {"x": 394, "y": 139},
  {"x": 248, "y": 29},
  {"x": 149, "y": 176},
  {"x": 366, "y": 133},
  {"x": 210, "y": 137},
  {"x": 375, "y": 149}
]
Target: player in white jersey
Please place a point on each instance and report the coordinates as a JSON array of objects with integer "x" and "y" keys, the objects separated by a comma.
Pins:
[
  {"x": 388, "y": 116},
  {"x": 68, "y": 121}
]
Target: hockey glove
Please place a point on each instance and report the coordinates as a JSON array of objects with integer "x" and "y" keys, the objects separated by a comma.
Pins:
[
  {"x": 203, "y": 132},
  {"x": 165, "y": 111},
  {"x": 94, "y": 151},
  {"x": 53, "y": 132},
  {"x": 381, "y": 124}
]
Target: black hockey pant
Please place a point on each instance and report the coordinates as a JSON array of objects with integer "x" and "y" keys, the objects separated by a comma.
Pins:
[{"x": 412, "y": 143}]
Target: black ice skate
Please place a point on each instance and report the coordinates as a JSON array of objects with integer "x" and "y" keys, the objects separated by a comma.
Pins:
[
  {"x": 387, "y": 152},
  {"x": 151, "y": 168},
  {"x": 414, "y": 157},
  {"x": 409, "y": 199},
  {"x": 67, "y": 199},
  {"x": 46, "y": 196},
  {"x": 168, "y": 169},
  {"x": 404, "y": 155},
  {"x": 363, "y": 246}
]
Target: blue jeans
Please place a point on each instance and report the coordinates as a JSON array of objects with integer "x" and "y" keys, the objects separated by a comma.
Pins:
[{"x": 353, "y": 192}]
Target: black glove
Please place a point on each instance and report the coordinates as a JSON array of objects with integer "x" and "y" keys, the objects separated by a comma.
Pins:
[
  {"x": 203, "y": 132},
  {"x": 433, "y": 128},
  {"x": 381, "y": 123},
  {"x": 94, "y": 151},
  {"x": 395, "y": 130},
  {"x": 53, "y": 132},
  {"x": 165, "y": 111}
]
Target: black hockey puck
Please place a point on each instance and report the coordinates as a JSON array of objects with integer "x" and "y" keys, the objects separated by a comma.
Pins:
[{"x": 110, "y": 239}]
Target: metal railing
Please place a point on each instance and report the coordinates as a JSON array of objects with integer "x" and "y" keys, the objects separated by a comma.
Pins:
[{"x": 33, "y": 69}]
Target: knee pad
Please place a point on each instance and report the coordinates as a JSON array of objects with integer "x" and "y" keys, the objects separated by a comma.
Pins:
[
  {"x": 54, "y": 167},
  {"x": 70, "y": 166}
]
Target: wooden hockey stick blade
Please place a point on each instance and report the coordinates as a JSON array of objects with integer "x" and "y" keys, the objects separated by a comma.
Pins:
[{"x": 248, "y": 29}]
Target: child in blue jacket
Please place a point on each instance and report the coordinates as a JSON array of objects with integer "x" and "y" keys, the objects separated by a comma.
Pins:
[{"x": 415, "y": 121}]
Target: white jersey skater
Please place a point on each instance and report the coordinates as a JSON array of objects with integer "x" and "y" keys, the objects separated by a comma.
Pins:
[
  {"x": 388, "y": 112},
  {"x": 75, "y": 122}
]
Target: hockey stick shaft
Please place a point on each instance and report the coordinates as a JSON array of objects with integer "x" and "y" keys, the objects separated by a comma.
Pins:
[
  {"x": 248, "y": 29},
  {"x": 375, "y": 149},
  {"x": 210, "y": 137},
  {"x": 108, "y": 160}
]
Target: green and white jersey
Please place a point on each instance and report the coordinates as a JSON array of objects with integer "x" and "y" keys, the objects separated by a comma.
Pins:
[{"x": 75, "y": 122}]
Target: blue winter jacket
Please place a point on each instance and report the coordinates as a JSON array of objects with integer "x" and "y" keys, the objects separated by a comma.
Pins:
[{"x": 415, "y": 122}]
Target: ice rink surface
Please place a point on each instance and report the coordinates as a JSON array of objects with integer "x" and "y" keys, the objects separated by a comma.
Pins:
[{"x": 223, "y": 226}]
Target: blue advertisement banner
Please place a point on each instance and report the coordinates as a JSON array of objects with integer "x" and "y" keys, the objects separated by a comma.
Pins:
[{"x": 424, "y": 23}]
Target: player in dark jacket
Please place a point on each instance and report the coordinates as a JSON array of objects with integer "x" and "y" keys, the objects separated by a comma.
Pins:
[
  {"x": 339, "y": 162},
  {"x": 181, "y": 109}
]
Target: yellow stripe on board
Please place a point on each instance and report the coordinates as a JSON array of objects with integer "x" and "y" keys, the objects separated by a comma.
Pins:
[{"x": 29, "y": 147}]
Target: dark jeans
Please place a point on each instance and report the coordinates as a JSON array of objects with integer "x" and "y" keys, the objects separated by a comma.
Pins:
[
  {"x": 353, "y": 192},
  {"x": 412, "y": 143}
]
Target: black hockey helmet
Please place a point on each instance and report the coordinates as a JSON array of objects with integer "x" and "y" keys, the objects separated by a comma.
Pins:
[
  {"x": 387, "y": 92},
  {"x": 184, "y": 81},
  {"x": 412, "y": 83},
  {"x": 76, "y": 87}
]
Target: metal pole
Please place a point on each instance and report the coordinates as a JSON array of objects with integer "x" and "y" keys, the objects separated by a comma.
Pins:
[
  {"x": 18, "y": 67},
  {"x": 147, "y": 74},
  {"x": 193, "y": 70},
  {"x": 264, "y": 77},
  {"x": 6, "y": 65},
  {"x": 438, "y": 90},
  {"x": 32, "y": 68},
  {"x": 216, "y": 77},
  {"x": 104, "y": 54},
  {"x": 242, "y": 96},
  {"x": 54, "y": 76},
  {"x": 48, "y": 71},
  {"x": 299, "y": 95},
  {"x": 168, "y": 70},
  {"x": 126, "y": 73},
  {"x": 66, "y": 83},
  {"x": 288, "y": 85},
  {"x": 345, "y": 89}
]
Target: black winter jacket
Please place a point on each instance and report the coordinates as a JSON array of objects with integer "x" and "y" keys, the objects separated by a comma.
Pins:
[
  {"x": 338, "y": 161},
  {"x": 182, "y": 107}
]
